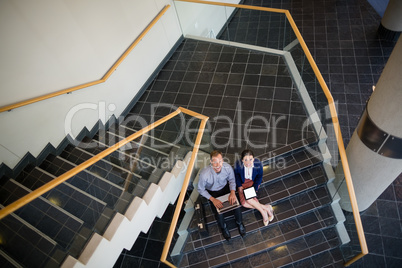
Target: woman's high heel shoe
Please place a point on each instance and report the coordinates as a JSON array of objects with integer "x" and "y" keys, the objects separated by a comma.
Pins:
[{"x": 271, "y": 210}]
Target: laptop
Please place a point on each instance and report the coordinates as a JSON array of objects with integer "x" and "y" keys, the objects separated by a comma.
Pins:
[{"x": 226, "y": 205}]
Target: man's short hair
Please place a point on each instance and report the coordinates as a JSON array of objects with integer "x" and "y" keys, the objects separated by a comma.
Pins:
[{"x": 215, "y": 153}]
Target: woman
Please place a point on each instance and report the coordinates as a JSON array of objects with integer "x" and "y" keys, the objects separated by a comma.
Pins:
[{"x": 248, "y": 173}]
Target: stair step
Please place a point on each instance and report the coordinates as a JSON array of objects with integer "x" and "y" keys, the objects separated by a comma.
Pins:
[
  {"x": 58, "y": 166},
  {"x": 94, "y": 185},
  {"x": 280, "y": 244},
  {"x": 327, "y": 258},
  {"x": 77, "y": 202},
  {"x": 157, "y": 141},
  {"x": 167, "y": 132},
  {"x": 284, "y": 210},
  {"x": 287, "y": 149},
  {"x": 145, "y": 142},
  {"x": 141, "y": 167},
  {"x": 133, "y": 183},
  {"x": 71, "y": 211},
  {"x": 33, "y": 178},
  {"x": 145, "y": 165},
  {"x": 46, "y": 215},
  {"x": 133, "y": 148},
  {"x": 38, "y": 248},
  {"x": 318, "y": 250},
  {"x": 293, "y": 184},
  {"x": 27, "y": 180},
  {"x": 73, "y": 155},
  {"x": 7, "y": 261},
  {"x": 144, "y": 147},
  {"x": 137, "y": 167},
  {"x": 95, "y": 188},
  {"x": 289, "y": 163},
  {"x": 137, "y": 174},
  {"x": 150, "y": 141},
  {"x": 283, "y": 188}
]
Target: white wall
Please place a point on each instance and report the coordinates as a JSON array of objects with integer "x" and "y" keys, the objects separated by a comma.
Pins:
[{"x": 50, "y": 45}]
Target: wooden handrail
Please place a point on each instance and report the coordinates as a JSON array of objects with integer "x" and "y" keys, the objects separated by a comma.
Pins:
[
  {"x": 339, "y": 140},
  {"x": 89, "y": 84},
  {"x": 334, "y": 117},
  {"x": 50, "y": 185},
  {"x": 184, "y": 187}
]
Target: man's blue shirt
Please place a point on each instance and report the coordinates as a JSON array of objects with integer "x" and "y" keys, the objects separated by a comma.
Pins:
[{"x": 210, "y": 180}]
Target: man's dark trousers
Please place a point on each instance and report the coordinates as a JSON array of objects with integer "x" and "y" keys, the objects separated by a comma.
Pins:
[{"x": 219, "y": 216}]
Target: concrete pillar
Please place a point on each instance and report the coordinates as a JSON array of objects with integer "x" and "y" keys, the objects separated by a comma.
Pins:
[
  {"x": 375, "y": 149},
  {"x": 391, "y": 23}
]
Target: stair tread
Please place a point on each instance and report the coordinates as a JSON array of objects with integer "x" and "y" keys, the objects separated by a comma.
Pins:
[
  {"x": 298, "y": 192},
  {"x": 285, "y": 187},
  {"x": 142, "y": 147},
  {"x": 102, "y": 168},
  {"x": 107, "y": 190},
  {"x": 277, "y": 251},
  {"x": 63, "y": 165},
  {"x": 284, "y": 210},
  {"x": 128, "y": 161},
  {"x": 17, "y": 232},
  {"x": 55, "y": 222},
  {"x": 32, "y": 178},
  {"x": 290, "y": 163},
  {"x": 144, "y": 141},
  {"x": 289, "y": 148},
  {"x": 156, "y": 140}
]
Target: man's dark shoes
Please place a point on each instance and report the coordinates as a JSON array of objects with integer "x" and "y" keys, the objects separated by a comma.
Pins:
[
  {"x": 242, "y": 229},
  {"x": 226, "y": 233}
]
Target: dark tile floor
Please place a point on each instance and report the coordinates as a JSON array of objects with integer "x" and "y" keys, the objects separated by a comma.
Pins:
[
  {"x": 248, "y": 96},
  {"x": 341, "y": 36}
]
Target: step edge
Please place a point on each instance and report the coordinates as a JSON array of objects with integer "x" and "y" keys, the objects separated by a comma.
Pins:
[
  {"x": 259, "y": 227},
  {"x": 282, "y": 244}
]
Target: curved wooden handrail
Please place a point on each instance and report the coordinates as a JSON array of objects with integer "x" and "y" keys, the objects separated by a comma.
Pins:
[
  {"x": 334, "y": 116},
  {"x": 89, "y": 84},
  {"x": 62, "y": 178},
  {"x": 339, "y": 140}
]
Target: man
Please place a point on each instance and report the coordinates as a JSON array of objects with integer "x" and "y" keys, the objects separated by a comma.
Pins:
[{"x": 217, "y": 180}]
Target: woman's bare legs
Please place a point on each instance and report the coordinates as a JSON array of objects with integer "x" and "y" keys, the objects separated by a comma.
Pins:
[{"x": 253, "y": 203}]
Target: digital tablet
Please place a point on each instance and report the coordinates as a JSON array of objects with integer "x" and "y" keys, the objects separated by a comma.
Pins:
[{"x": 249, "y": 193}]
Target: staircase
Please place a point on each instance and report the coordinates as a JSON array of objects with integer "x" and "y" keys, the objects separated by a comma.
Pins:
[
  {"x": 97, "y": 212},
  {"x": 308, "y": 226}
]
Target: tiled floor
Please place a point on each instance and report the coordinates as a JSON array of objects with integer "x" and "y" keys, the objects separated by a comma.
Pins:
[
  {"x": 247, "y": 95},
  {"x": 341, "y": 35}
]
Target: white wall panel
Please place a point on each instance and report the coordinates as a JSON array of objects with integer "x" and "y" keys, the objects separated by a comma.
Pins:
[{"x": 51, "y": 45}]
